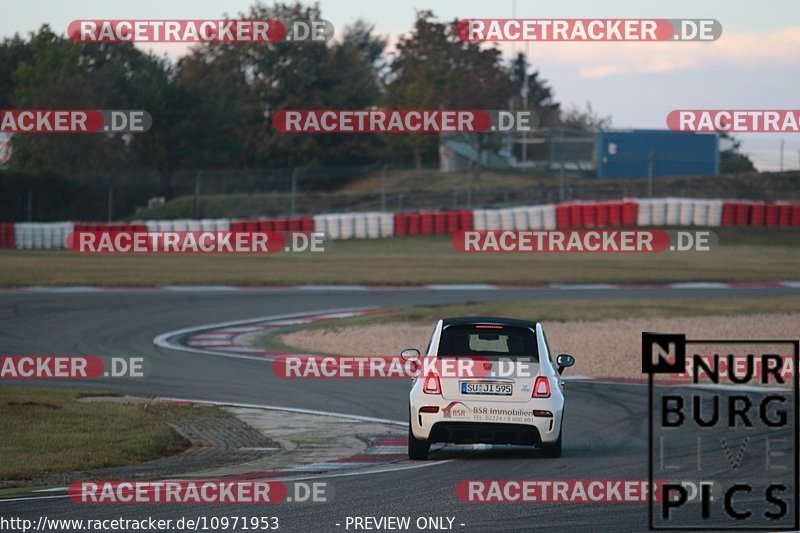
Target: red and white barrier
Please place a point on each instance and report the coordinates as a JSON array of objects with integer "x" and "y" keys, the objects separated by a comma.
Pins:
[
  {"x": 38, "y": 235},
  {"x": 7, "y": 235},
  {"x": 630, "y": 212}
]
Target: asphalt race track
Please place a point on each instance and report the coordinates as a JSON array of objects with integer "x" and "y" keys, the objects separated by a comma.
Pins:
[{"x": 605, "y": 427}]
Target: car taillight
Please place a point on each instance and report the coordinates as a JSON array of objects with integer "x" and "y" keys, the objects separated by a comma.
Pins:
[
  {"x": 432, "y": 385},
  {"x": 541, "y": 388}
]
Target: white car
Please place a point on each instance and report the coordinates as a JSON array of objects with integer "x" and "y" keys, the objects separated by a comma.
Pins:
[{"x": 516, "y": 397}]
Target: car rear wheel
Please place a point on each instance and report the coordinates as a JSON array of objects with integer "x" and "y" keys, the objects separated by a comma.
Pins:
[
  {"x": 417, "y": 449},
  {"x": 553, "y": 450}
]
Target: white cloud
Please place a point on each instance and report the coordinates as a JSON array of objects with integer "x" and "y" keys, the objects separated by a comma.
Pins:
[
  {"x": 602, "y": 59},
  {"x": 173, "y": 51}
]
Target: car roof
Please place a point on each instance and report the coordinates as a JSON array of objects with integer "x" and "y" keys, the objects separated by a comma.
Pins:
[{"x": 494, "y": 320}]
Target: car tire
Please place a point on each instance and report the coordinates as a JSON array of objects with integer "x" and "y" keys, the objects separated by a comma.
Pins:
[
  {"x": 553, "y": 451},
  {"x": 417, "y": 449}
]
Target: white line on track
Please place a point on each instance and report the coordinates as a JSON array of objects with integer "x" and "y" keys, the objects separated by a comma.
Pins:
[
  {"x": 28, "y": 498},
  {"x": 699, "y": 285},
  {"x": 790, "y": 284},
  {"x": 165, "y": 339}
]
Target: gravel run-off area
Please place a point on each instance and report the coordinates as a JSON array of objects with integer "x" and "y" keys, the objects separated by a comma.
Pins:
[{"x": 605, "y": 348}]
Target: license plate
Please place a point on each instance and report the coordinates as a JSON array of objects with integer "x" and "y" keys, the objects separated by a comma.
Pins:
[{"x": 499, "y": 389}]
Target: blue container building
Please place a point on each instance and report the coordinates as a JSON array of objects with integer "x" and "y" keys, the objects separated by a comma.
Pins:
[{"x": 629, "y": 153}]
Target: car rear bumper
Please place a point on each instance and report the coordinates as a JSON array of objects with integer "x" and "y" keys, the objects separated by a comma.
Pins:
[
  {"x": 484, "y": 433},
  {"x": 486, "y": 422}
]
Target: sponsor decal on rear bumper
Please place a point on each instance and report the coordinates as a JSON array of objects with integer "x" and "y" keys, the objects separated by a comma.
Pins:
[{"x": 461, "y": 411}]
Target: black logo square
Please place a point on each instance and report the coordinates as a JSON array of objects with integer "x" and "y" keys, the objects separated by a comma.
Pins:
[{"x": 663, "y": 353}]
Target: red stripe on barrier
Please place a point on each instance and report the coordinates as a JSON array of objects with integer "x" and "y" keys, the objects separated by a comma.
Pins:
[
  {"x": 426, "y": 223},
  {"x": 466, "y": 220},
  {"x": 440, "y": 223},
  {"x": 742, "y": 214},
  {"x": 757, "y": 214},
  {"x": 400, "y": 225},
  {"x": 784, "y": 216},
  {"x": 615, "y": 214},
  {"x": 795, "y": 222},
  {"x": 601, "y": 214},
  {"x": 728, "y": 214},
  {"x": 630, "y": 213},
  {"x": 771, "y": 215},
  {"x": 452, "y": 222},
  {"x": 562, "y": 216},
  {"x": 413, "y": 224},
  {"x": 588, "y": 215},
  {"x": 575, "y": 216}
]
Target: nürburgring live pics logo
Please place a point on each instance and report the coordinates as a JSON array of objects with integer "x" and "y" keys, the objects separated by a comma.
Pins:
[{"x": 725, "y": 445}]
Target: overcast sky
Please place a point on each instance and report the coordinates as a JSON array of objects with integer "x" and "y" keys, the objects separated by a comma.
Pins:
[{"x": 754, "y": 65}]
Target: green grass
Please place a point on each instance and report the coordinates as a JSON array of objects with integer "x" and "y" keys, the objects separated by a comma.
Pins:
[
  {"x": 251, "y": 205},
  {"x": 48, "y": 431},
  {"x": 551, "y": 311},
  {"x": 744, "y": 254},
  {"x": 690, "y": 186},
  {"x": 363, "y": 192}
]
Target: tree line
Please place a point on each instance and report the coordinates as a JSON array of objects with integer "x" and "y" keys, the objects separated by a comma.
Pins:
[{"x": 212, "y": 108}]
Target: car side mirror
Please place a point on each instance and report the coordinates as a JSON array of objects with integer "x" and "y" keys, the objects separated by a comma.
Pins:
[
  {"x": 410, "y": 354},
  {"x": 563, "y": 361}
]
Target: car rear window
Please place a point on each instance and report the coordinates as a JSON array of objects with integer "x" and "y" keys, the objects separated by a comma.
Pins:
[{"x": 489, "y": 341}]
